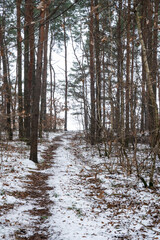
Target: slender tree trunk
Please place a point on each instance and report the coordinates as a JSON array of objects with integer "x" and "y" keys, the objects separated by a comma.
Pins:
[
  {"x": 120, "y": 83},
  {"x": 51, "y": 83},
  {"x": 144, "y": 108},
  {"x": 128, "y": 76},
  {"x": 19, "y": 71},
  {"x": 31, "y": 45},
  {"x": 36, "y": 90},
  {"x": 31, "y": 70},
  {"x": 7, "y": 86},
  {"x": 159, "y": 90},
  {"x": 155, "y": 47},
  {"x": 85, "y": 107},
  {"x": 98, "y": 73},
  {"x": 44, "y": 80},
  {"x": 122, "y": 86},
  {"x": 111, "y": 99},
  {"x": 92, "y": 82},
  {"x": 110, "y": 79},
  {"x": 132, "y": 84},
  {"x": 53, "y": 122},
  {"x": 66, "y": 76},
  {"x": 149, "y": 51},
  {"x": 118, "y": 93},
  {"x": 104, "y": 90},
  {"x": 150, "y": 46},
  {"x": 26, "y": 75},
  {"x": 53, "y": 100}
]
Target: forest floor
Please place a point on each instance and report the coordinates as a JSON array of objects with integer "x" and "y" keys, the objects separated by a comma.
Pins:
[{"x": 72, "y": 194}]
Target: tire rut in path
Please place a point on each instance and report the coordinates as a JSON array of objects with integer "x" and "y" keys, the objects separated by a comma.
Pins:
[{"x": 37, "y": 191}]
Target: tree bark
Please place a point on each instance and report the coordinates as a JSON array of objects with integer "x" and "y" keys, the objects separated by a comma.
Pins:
[
  {"x": 7, "y": 86},
  {"x": 66, "y": 77},
  {"x": 154, "y": 132},
  {"x": 128, "y": 77},
  {"x": 26, "y": 75},
  {"x": 98, "y": 74},
  {"x": 53, "y": 122},
  {"x": 120, "y": 83},
  {"x": 133, "y": 130},
  {"x": 44, "y": 79},
  {"x": 149, "y": 83},
  {"x": 92, "y": 82},
  {"x": 19, "y": 71},
  {"x": 36, "y": 90},
  {"x": 104, "y": 89},
  {"x": 155, "y": 47}
]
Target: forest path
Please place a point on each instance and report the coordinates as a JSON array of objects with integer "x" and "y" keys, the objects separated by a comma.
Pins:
[
  {"x": 74, "y": 195},
  {"x": 37, "y": 191}
]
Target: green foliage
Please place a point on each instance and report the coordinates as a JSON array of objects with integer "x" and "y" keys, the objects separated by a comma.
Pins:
[{"x": 77, "y": 78}]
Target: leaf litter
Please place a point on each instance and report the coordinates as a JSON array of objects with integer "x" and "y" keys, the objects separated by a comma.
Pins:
[{"x": 72, "y": 195}]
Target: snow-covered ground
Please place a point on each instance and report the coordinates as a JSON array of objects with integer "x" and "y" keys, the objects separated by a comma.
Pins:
[{"x": 88, "y": 201}]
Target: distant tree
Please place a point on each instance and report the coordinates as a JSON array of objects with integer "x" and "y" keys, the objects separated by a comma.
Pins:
[
  {"x": 66, "y": 74},
  {"x": 98, "y": 72},
  {"x": 52, "y": 100},
  {"x": 92, "y": 75},
  {"x": 19, "y": 70},
  {"x": 27, "y": 87},
  {"x": 128, "y": 90}
]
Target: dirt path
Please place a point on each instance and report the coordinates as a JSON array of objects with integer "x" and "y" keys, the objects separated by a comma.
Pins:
[{"x": 37, "y": 190}]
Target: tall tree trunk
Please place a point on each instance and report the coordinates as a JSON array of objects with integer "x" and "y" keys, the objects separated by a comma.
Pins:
[
  {"x": 98, "y": 73},
  {"x": 31, "y": 45},
  {"x": 19, "y": 71},
  {"x": 154, "y": 132},
  {"x": 149, "y": 51},
  {"x": 133, "y": 130},
  {"x": 7, "y": 86},
  {"x": 53, "y": 123},
  {"x": 31, "y": 70},
  {"x": 154, "y": 113},
  {"x": 53, "y": 89},
  {"x": 37, "y": 89},
  {"x": 144, "y": 108},
  {"x": 121, "y": 77},
  {"x": 120, "y": 83},
  {"x": 155, "y": 47},
  {"x": 150, "y": 32},
  {"x": 51, "y": 83},
  {"x": 111, "y": 98},
  {"x": 26, "y": 71},
  {"x": 110, "y": 78},
  {"x": 128, "y": 76},
  {"x": 66, "y": 76},
  {"x": 92, "y": 82},
  {"x": 85, "y": 107},
  {"x": 104, "y": 89},
  {"x": 118, "y": 93},
  {"x": 44, "y": 79}
]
